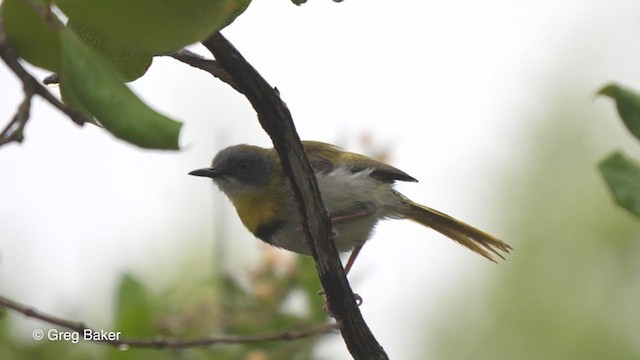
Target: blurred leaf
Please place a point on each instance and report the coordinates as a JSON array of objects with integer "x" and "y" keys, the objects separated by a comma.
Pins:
[
  {"x": 298, "y": 2},
  {"x": 152, "y": 26},
  {"x": 101, "y": 91},
  {"x": 134, "y": 308},
  {"x": 70, "y": 98},
  {"x": 622, "y": 175},
  {"x": 130, "y": 64},
  {"x": 191, "y": 309},
  {"x": 628, "y": 104},
  {"x": 30, "y": 35},
  {"x": 308, "y": 280}
]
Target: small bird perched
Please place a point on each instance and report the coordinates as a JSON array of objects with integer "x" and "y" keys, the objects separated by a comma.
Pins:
[{"x": 356, "y": 190}]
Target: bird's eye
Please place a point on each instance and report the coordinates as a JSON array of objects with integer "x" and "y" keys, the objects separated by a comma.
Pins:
[{"x": 242, "y": 166}]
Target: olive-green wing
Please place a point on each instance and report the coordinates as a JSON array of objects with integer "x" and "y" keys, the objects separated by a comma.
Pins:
[{"x": 326, "y": 157}]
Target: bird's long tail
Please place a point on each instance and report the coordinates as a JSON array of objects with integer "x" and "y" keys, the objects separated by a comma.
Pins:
[{"x": 464, "y": 234}]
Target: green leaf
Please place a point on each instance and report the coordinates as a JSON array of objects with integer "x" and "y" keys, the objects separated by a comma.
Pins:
[
  {"x": 69, "y": 97},
  {"x": 99, "y": 89},
  {"x": 622, "y": 175},
  {"x": 33, "y": 39},
  {"x": 628, "y": 104},
  {"x": 152, "y": 26},
  {"x": 130, "y": 64},
  {"x": 134, "y": 308}
]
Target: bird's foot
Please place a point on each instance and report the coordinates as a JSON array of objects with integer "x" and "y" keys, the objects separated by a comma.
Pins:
[{"x": 327, "y": 309}]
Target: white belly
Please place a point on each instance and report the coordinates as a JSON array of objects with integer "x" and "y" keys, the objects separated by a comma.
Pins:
[{"x": 343, "y": 194}]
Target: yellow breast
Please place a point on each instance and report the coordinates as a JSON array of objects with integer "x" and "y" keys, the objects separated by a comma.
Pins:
[{"x": 256, "y": 209}]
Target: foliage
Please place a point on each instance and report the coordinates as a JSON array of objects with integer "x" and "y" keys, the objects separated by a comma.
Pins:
[
  {"x": 83, "y": 71},
  {"x": 221, "y": 306},
  {"x": 621, "y": 173},
  {"x": 106, "y": 43},
  {"x": 623, "y": 177}
]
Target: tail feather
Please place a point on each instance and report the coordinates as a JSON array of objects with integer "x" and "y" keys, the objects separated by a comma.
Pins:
[{"x": 466, "y": 235}]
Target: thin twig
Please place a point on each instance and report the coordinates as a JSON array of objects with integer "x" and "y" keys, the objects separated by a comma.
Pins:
[
  {"x": 14, "y": 129},
  {"x": 9, "y": 56},
  {"x": 202, "y": 63},
  {"x": 161, "y": 342}
]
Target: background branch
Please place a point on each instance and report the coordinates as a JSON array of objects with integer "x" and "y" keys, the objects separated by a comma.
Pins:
[
  {"x": 276, "y": 120},
  {"x": 13, "y": 130},
  {"x": 160, "y": 342},
  {"x": 30, "y": 84}
]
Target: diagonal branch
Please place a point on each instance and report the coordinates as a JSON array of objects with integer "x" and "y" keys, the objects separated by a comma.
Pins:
[
  {"x": 160, "y": 342},
  {"x": 275, "y": 118}
]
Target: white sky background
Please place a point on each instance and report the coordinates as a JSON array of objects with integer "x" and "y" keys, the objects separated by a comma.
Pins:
[{"x": 443, "y": 84}]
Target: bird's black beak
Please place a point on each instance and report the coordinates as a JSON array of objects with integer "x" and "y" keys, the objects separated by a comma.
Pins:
[{"x": 207, "y": 172}]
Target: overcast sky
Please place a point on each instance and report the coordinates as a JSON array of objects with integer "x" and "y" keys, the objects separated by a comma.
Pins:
[{"x": 444, "y": 85}]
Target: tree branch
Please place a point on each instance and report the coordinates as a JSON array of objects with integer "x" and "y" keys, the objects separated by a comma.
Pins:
[
  {"x": 14, "y": 129},
  {"x": 276, "y": 120},
  {"x": 210, "y": 66},
  {"x": 30, "y": 84},
  {"x": 160, "y": 342}
]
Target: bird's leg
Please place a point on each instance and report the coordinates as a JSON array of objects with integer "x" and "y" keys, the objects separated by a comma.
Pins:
[
  {"x": 356, "y": 297},
  {"x": 347, "y": 267},
  {"x": 368, "y": 209},
  {"x": 352, "y": 258}
]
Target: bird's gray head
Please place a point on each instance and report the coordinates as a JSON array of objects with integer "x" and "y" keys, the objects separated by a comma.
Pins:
[{"x": 239, "y": 169}]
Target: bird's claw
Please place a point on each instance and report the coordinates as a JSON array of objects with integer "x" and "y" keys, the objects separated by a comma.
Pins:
[{"x": 327, "y": 309}]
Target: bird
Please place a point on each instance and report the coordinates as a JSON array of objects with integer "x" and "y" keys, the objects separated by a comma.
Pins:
[{"x": 357, "y": 192}]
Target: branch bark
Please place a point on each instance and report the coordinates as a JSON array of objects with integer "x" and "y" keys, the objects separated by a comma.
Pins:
[{"x": 276, "y": 120}]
